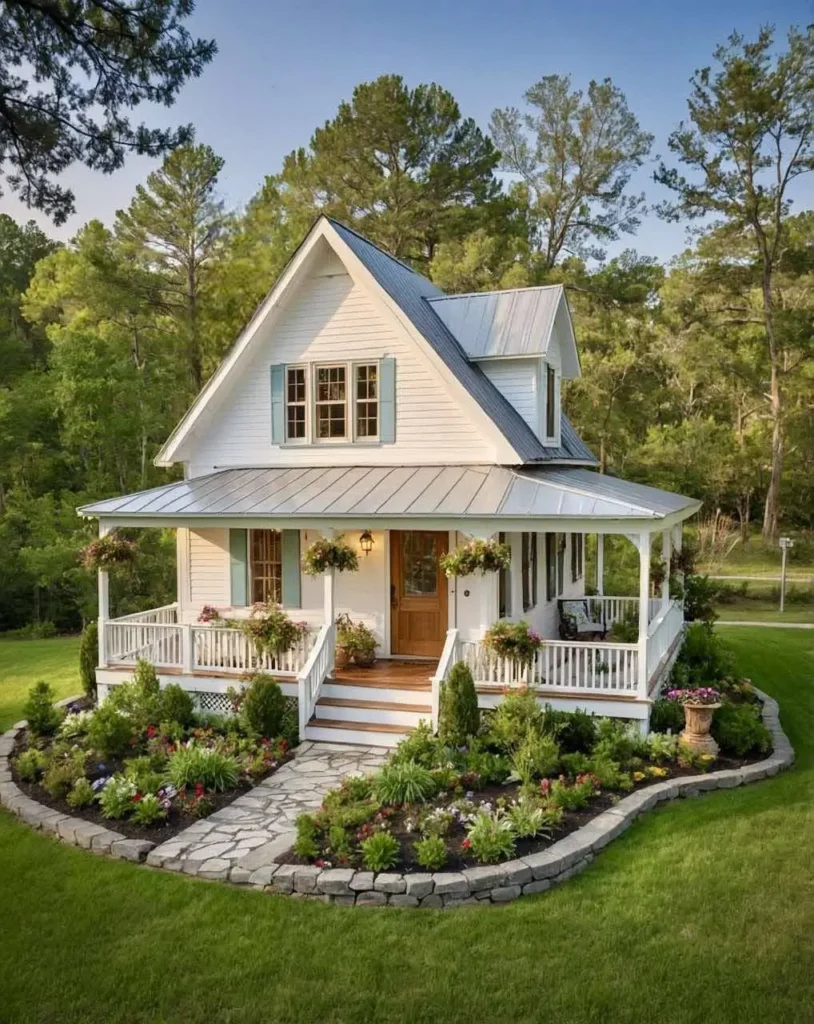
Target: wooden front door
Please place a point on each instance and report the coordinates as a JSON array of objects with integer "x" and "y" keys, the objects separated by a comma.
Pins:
[{"x": 418, "y": 592}]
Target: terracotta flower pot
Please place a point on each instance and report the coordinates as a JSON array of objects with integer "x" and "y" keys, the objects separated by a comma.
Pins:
[
  {"x": 697, "y": 722},
  {"x": 341, "y": 657},
  {"x": 364, "y": 659}
]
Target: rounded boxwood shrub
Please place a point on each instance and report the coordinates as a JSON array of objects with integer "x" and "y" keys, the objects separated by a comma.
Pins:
[
  {"x": 111, "y": 733},
  {"x": 739, "y": 730},
  {"x": 88, "y": 657},
  {"x": 263, "y": 707},
  {"x": 177, "y": 706},
  {"x": 43, "y": 718},
  {"x": 459, "y": 717}
]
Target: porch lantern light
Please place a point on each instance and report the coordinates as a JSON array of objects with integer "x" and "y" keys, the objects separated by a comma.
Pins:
[{"x": 366, "y": 542}]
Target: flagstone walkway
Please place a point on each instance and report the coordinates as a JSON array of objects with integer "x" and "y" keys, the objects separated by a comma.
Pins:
[{"x": 240, "y": 840}]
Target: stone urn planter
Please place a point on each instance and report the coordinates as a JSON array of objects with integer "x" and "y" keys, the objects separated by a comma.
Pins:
[{"x": 697, "y": 723}]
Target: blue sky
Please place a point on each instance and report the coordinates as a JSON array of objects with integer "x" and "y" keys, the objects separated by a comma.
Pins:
[{"x": 282, "y": 68}]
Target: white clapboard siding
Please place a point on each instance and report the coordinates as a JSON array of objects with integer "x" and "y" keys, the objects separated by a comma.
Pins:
[
  {"x": 209, "y": 568},
  {"x": 330, "y": 318},
  {"x": 517, "y": 380}
]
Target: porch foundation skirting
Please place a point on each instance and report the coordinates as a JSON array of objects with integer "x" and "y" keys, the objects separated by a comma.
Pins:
[{"x": 489, "y": 884}]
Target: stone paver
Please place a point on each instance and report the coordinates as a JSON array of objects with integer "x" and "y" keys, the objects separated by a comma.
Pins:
[{"x": 259, "y": 826}]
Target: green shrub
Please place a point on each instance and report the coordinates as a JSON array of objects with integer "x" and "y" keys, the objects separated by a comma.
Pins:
[
  {"x": 81, "y": 795},
  {"x": 116, "y": 799},
  {"x": 700, "y": 594},
  {"x": 192, "y": 764},
  {"x": 148, "y": 810},
  {"x": 739, "y": 730},
  {"x": 305, "y": 845},
  {"x": 263, "y": 707},
  {"x": 404, "y": 783},
  {"x": 431, "y": 853},
  {"x": 527, "y": 818},
  {"x": 662, "y": 747},
  {"x": 571, "y": 796},
  {"x": 575, "y": 764},
  {"x": 489, "y": 767},
  {"x": 177, "y": 706},
  {"x": 536, "y": 757},
  {"x": 491, "y": 838},
  {"x": 142, "y": 770},
  {"x": 356, "y": 788},
  {"x": 140, "y": 699},
  {"x": 420, "y": 746},
  {"x": 380, "y": 851},
  {"x": 30, "y": 763},
  {"x": 111, "y": 732},
  {"x": 618, "y": 741},
  {"x": 60, "y": 777},
  {"x": 609, "y": 774},
  {"x": 516, "y": 715},
  {"x": 88, "y": 658},
  {"x": 459, "y": 717},
  {"x": 43, "y": 718},
  {"x": 574, "y": 731},
  {"x": 666, "y": 716},
  {"x": 75, "y": 724},
  {"x": 626, "y": 630},
  {"x": 704, "y": 660}
]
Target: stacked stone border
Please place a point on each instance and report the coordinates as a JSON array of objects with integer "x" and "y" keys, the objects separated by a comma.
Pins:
[{"x": 499, "y": 883}]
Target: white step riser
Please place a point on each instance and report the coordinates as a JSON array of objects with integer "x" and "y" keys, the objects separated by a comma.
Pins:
[
  {"x": 360, "y": 738},
  {"x": 347, "y": 691},
  {"x": 375, "y": 715}
]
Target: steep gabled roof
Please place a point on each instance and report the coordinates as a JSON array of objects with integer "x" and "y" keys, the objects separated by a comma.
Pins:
[{"x": 414, "y": 295}]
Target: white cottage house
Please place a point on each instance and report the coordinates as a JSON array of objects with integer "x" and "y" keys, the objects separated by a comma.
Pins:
[{"x": 361, "y": 400}]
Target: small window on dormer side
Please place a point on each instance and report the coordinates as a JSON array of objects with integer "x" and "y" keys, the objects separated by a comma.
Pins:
[
  {"x": 550, "y": 403},
  {"x": 331, "y": 403},
  {"x": 296, "y": 403},
  {"x": 366, "y": 377}
]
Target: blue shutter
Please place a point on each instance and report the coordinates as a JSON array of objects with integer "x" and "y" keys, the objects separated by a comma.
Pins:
[
  {"x": 238, "y": 567},
  {"x": 291, "y": 568},
  {"x": 387, "y": 400},
  {"x": 278, "y": 404}
]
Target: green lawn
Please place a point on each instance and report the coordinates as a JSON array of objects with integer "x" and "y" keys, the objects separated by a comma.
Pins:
[
  {"x": 23, "y": 662},
  {"x": 763, "y": 611},
  {"x": 702, "y": 912}
]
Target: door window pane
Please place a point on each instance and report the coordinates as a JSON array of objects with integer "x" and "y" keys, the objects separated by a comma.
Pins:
[{"x": 419, "y": 564}]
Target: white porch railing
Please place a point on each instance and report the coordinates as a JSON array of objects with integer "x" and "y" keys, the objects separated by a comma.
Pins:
[
  {"x": 610, "y": 610},
  {"x": 661, "y": 635},
  {"x": 560, "y": 665},
  {"x": 156, "y": 637},
  {"x": 313, "y": 673},
  {"x": 449, "y": 655}
]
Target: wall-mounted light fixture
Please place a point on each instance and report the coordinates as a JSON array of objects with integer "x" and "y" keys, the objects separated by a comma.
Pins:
[{"x": 366, "y": 542}]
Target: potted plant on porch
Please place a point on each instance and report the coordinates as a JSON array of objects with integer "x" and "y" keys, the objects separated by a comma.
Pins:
[
  {"x": 325, "y": 554},
  {"x": 270, "y": 630},
  {"x": 109, "y": 553},
  {"x": 477, "y": 556},
  {"x": 355, "y": 642},
  {"x": 514, "y": 640},
  {"x": 699, "y": 707}
]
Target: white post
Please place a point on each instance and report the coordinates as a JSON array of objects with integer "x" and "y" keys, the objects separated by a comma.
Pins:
[
  {"x": 600, "y": 564},
  {"x": 678, "y": 540},
  {"x": 644, "y": 601},
  {"x": 488, "y": 600},
  {"x": 103, "y": 585},
  {"x": 515, "y": 578},
  {"x": 665, "y": 583},
  {"x": 186, "y": 647},
  {"x": 329, "y": 599}
]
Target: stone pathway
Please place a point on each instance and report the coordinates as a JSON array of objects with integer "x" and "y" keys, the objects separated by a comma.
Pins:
[{"x": 244, "y": 838}]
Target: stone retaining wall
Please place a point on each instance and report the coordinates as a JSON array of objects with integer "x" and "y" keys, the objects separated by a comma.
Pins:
[{"x": 500, "y": 883}]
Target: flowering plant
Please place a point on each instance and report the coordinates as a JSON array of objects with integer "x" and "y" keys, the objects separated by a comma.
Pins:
[
  {"x": 209, "y": 614},
  {"x": 514, "y": 640},
  {"x": 326, "y": 554},
  {"x": 477, "y": 556},
  {"x": 109, "y": 552},
  {"x": 701, "y": 695},
  {"x": 271, "y": 630}
]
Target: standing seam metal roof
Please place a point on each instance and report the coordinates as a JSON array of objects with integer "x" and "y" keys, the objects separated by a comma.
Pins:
[{"x": 413, "y": 294}]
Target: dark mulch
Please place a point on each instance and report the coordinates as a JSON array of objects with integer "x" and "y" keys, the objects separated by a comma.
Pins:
[
  {"x": 175, "y": 822},
  {"x": 458, "y": 859}
]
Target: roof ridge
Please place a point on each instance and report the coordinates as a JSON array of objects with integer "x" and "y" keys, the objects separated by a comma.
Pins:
[
  {"x": 378, "y": 248},
  {"x": 498, "y": 291}
]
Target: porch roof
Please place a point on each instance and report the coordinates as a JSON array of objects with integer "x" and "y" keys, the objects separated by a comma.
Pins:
[{"x": 458, "y": 491}]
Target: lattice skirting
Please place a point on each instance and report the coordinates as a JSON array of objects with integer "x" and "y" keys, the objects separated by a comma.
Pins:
[{"x": 219, "y": 703}]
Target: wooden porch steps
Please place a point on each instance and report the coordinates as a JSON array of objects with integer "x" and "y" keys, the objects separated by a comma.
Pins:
[
  {"x": 377, "y": 705},
  {"x": 333, "y": 723}
]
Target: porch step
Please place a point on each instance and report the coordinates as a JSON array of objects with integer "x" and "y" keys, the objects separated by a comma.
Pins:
[
  {"x": 370, "y": 734},
  {"x": 375, "y": 691},
  {"x": 372, "y": 711}
]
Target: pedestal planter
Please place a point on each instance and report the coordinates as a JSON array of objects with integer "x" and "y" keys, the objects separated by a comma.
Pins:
[{"x": 697, "y": 722}]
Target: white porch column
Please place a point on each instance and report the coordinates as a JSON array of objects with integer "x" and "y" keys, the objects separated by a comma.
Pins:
[
  {"x": 329, "y": 596},
  {"x": 515, "y": 578},
  {"x": 103, "y": 586},
  {"x": 643, "y": 545},
  {"x": 600, "y": 564},
  {"x": 678, "y": 539},
  {"x": 665, "y": 584}
]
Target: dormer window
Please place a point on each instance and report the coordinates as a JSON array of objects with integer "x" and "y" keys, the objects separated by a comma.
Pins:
[{"x": 550, "y": 402}]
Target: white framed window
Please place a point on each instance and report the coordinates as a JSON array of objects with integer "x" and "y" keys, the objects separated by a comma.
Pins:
[
  {"x": 550, "y": 403},
  {"x": 528, "y": 564},
  {"x": 366, "y": 401},
  {"x": 331, "y": 402},
  {"x": 265, "y": 566},
  {"x": 296, "y": 403}
]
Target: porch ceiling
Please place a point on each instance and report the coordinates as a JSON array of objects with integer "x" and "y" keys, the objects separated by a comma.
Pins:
[{"x": 454, "y": 492}]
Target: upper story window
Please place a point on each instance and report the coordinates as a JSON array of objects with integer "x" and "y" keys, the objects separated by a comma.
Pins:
[
  {"x": 337, "y": 402},
  {"x": 550, "y": 402}
]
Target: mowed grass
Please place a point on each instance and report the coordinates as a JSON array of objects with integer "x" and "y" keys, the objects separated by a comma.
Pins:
[
  {"x": 763, "y": 611},
  {"x": 702, "y": 912},
  {"x": 23, "y": 662}
]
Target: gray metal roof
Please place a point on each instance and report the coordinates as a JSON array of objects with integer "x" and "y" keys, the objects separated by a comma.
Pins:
[
  {"x": 410, "y": 491},
  {"x": 415, "y": 296},
  {"x": 518, "y": 322}
]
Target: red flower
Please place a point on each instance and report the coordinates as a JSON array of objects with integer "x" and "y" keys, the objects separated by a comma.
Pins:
[
  {"x": 151, "y": 731},
  {"x": 137, "y": 798},
  {"x": 199, "y": 790},
  {"x": 466, "y": 844}
]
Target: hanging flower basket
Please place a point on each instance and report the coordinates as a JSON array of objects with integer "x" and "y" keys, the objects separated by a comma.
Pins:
[
  {"x": 514, "y": 640},
  {"x": 271, "y": 630},
  {"x": 326, "y": 554},
  {"x": 477, "y": 556},
  {"x": 109, "y": 553}
]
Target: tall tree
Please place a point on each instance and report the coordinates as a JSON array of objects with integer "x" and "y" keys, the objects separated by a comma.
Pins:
[
  {"x": 574, "y": 153},
  {"x": 751, "y": 136},
  {"x": 94, "y": 60},
  {"x": 399, "y": 163},
  {"x": 173, "y": 227}
]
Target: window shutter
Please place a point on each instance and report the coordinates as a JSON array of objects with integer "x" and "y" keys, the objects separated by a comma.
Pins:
[
  {"x": 387, "y": 400},
  {"x": 291, "y": 568},
  {"x": 278, "y": 404},
  {"x": 238, "y": 567}
]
